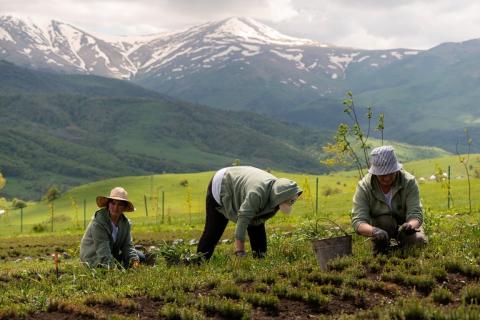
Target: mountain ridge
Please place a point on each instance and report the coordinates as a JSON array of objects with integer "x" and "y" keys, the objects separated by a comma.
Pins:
[
  {"x": 427, "y": 96},
  {"x": 68, "y": 41}
]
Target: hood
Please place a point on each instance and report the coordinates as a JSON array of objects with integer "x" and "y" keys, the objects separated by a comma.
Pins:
[{"x": 282, "y": 190}]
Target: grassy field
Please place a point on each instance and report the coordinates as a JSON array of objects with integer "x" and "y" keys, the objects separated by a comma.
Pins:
[
  {"x": 439, "y": 282},
  {"x": 183, "y": 198}
]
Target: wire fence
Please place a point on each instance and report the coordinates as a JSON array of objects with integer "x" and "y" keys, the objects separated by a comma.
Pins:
[
  {"x": 163, "y": 208},
  {"x": 156, "y": 209}
]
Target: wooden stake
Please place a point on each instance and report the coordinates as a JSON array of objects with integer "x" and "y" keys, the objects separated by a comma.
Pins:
[{"x": 55, "y": 261}]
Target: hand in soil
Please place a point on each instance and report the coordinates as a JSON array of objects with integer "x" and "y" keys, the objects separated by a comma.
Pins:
[
  {"x": 407, "y": 228},
  {"x": 379, "y": 234}
]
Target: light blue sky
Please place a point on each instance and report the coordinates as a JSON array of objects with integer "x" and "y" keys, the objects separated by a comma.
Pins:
[{"x": 367, "y": 24}]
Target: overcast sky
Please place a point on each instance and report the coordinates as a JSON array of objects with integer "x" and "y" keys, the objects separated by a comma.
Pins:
[{"x": 366, "y": 24}]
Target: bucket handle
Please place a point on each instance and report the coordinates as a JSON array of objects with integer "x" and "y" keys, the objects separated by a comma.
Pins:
[{"x": 333, "y": 222}]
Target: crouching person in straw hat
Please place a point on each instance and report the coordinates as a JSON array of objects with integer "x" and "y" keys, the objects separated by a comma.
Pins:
[
  {"x": 247, "y": 196},
  {"x": 107, "y": 240},
  {"x": 386, "y": 204}
]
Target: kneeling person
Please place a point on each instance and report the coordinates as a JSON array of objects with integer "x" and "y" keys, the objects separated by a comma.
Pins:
[
  {"x": 107, "y": 240},
  {"x": 386, "y": 204}
]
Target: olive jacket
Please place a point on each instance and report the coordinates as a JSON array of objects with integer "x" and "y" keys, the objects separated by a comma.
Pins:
[
  {"x": 97, "y": 248},
  {"x": 251, "y": 196},
  {"x": 369, "y": 200}
]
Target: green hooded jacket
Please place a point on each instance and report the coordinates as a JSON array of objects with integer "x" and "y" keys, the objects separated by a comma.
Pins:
[
  {"x": 251, "y": 196},
  {"x": 369, "y": 200},
  {"x": 97, "y": 247}
]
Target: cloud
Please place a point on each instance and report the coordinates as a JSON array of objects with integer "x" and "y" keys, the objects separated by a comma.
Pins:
[
  {"x": 368, "y": 24},
  {"x": 374, "y": 24}
]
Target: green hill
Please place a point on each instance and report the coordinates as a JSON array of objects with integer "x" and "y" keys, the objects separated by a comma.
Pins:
[
  {"x": 68, "y": 130},
  {"x": 184, "y": 196},
  {"x": 428, "y": 98},
  {"x": 15, "y": 79},
  {"x": 67, "y": 140}
]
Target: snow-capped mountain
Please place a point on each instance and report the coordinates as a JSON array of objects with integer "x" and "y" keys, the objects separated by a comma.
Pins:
[
  {"x": 239, "y": 56},
  {"x": 206, "y": 63},
  {"x": 210, "y": 42},
  {"x": 61, "y": 47},
  {"x": 241, "y": 41},
  {"x": 239, "y": 63}
]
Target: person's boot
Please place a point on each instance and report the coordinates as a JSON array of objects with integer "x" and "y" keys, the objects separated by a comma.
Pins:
[{"x": 259, "y": 254}]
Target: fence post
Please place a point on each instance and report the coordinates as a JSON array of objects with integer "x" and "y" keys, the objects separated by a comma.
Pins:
[
  {"x": 448, "y": 187},
  {"x": 145, "y": 201},
  {"x": 53, "y": 208},
  {"x": 163, "y": 206},
  {"x": 316, "y": 198},
  {"x": 21, "y": 220},
  {"x": 84, "y": 214},
  {"x": 157, "y": 198}
]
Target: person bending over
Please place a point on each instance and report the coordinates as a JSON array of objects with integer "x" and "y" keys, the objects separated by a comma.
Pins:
[{"x": 247, "y": 196}]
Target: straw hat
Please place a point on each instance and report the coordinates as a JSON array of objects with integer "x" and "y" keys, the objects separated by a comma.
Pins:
[
  {"x": 117, "y": 193},
  {"x": 384, "y": 161}
]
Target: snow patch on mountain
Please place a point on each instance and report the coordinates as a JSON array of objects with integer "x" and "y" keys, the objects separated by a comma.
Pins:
[
  {"x": 363, "y": 59},
  {"x": 250, "y": 47},
  {"x": 291, "y": 57},
  {"x": 27, "y": 51},
  {"x": 250, "y": 54},
  {"x": 222, "y": 54},
  {"x": 72, "y": 36},
  {"x": 4, "y": 35},
  {"x": 249, "y": 29},
  {"x": 396, "y": 54},
  {"x": 163, "y": 55},
  {"x": 51, "y": 61},
  {"x": 342, "y": 62}
]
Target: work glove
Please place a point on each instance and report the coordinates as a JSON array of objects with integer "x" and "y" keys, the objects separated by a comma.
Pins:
[
  {"x": 240, "y": 253},
  {"x": 407, "y": 228},
  {"x": 379, "y": 234}
]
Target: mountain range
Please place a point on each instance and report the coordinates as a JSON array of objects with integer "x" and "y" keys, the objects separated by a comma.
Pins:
[
  {"x": 236, "y": 63},
  {"x": 242, "y": 41},
  {"x": 428, "y": 96}
]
